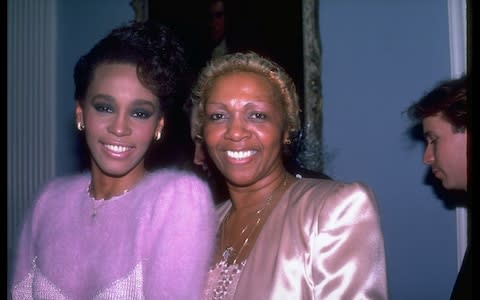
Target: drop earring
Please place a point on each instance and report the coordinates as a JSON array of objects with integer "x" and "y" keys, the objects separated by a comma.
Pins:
[
  {"x": 80, "y": 126},
  {"x": 158, "y": 135}
]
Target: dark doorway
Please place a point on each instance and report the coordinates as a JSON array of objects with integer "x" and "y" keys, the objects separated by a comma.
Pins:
[{"x": 270, "y": 27}]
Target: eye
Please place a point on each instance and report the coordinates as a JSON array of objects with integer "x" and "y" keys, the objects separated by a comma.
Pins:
[
  {"x": 258, "y": 115},
  {"x": 216, "y": 116},
  {"x": 103, "y": 107},
  {"x": 142, "y": 114},
  {"x": 431, "y": 140}
]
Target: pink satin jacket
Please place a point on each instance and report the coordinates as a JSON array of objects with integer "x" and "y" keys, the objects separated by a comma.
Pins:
[{"x": 323, "y": 240}]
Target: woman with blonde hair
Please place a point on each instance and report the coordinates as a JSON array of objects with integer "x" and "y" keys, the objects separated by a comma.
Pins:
[{"x": 279, "y": 236}]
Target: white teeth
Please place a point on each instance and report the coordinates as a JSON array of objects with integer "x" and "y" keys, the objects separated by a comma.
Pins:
[
  {"x": 240, "y": 154},
  {"x": 116, "y": 148}
]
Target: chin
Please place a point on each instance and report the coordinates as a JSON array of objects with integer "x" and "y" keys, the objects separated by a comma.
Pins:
[{"x": 446, "y": 185}]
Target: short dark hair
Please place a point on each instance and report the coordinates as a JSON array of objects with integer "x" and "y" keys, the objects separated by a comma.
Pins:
[
  {"x": 152, "y": 47},
  {"x": 449, "y": 99}
]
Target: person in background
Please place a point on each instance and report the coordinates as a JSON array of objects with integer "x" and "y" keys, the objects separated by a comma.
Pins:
[
  {"x": 279, "y": 237},
  {"x": 443, "y": 113},
  {"x": 117, "y": 231},
  {"x": 205, "y": 167},
  {"x": 216, "y": 25}
]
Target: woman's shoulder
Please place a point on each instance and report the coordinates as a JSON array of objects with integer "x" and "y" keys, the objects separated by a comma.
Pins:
[
  {"x": 327, "y": 184},
  {"x": 66, "y": 184},
  {"x": 179, "y": 181},
  {"x": 178, "y": 190},
  {"x": 321, "y": 190},
  {"x": 62, "y": 187},
  {"x": 173, "y": 176},
  {"x": 344, "y": 202}
]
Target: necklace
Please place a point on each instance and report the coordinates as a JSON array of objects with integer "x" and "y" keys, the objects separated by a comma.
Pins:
[
  {"x": 97, "y": 203},
  {"x": 230, "y": 252}
]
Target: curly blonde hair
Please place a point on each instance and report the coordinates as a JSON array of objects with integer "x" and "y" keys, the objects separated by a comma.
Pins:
[{"x": 245, "y": 62}]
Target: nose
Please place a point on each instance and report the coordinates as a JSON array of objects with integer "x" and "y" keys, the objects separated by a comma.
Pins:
[
  {"x": 428, "y": 156},
  {"x": 120, "y": 126},
  {"x": 236, "y": 129}
]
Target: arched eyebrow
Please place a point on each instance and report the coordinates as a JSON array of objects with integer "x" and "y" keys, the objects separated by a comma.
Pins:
[{"x": 135, "y": 101}]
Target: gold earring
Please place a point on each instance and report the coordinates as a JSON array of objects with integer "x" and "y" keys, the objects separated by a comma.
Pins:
[
  {"x": 198, "y": 138},
  {"x": 287, "y": 142},
  {"x": 80, "y": 126},
  {"x": 158, "y": 135}
]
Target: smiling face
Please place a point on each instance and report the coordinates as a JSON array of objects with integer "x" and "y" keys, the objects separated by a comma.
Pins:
[
  {"x": 446, "y": 152},
  {"x": 121, "y": 117},
  {"x": 245, "y": 127}
]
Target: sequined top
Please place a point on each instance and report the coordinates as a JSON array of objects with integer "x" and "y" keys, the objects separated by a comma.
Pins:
[
  {"x": 222, "y": 280},
  {"x": 150, "y": 243},
  {"x": 322, "y": 240}
]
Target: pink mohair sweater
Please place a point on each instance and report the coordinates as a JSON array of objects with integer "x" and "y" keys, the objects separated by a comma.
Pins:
[{"x": 154, "y": 242}]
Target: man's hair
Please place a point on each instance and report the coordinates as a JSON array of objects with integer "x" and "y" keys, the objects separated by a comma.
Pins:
[{"x": 447, "y": 99}]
